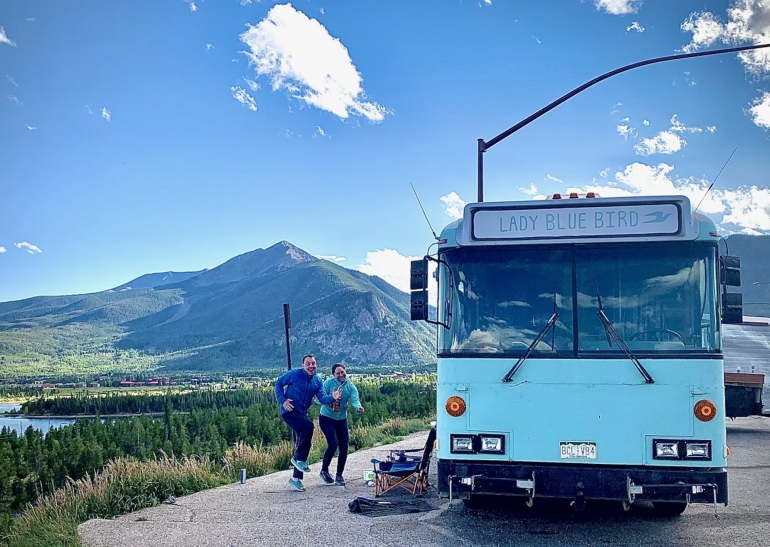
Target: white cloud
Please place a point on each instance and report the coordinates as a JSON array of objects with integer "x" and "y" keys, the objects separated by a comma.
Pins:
[
  {"x": 760, "y": 111},
  {"x": 251, "y": 83},
  {"x": 10, "y": 79},
  {"x": 453, "y": 204},
  {"x": 299, "y": 55},
  {"x": 319, "y": 132},
  {"x": 106, "y": 114},
  {"x": 240, "y": 95},
  {"x": 618, "y": 7},
  {"x": 2, "y": 249},
  {"x": 289, "y": 133},
  {"x": 209, "y": 46},
  {"x": 635, "y": 26},
  {"x": 31, "y": 249},
  {"x": 646, "y": 122},
  {"x": 193, "y": 7},
  {"x": 665, "y": 142},
  {"x": 322, "y": 11},
  {"x": 14, "y": 99},
  {"x": 30, "y": 127},
  {"x": 394, "y": 268},
  {"x": 332, "y": 258},
  {"x": 748, "y": 22},
  {"x": 705, "y": 28},
  {"x": 389, "y": 265},
  {"x": 30, "y": 19},
  {"x": 749, "y": 208},
  {"x": 246, "y": 2},
  {"x": 4, "y": 39},
  {"x": 679, "y": 127},
  {"x": 711, "y": 128},
  {"x": 624, "y": 130},
  {"x": 531, "y": 191},
  {"x": 604, "y": 173},
  {"x": 551, "y": 177}
]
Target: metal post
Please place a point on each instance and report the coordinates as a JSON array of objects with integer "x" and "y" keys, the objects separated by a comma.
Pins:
[
  {"x": 287, "y": 326},
  {"x": 486, "y": 145},
  {"x": 482, "y": 149}
]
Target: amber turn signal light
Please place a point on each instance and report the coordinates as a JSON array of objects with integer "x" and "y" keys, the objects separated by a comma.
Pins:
[
  {"x": 705, "y": 410},
  {"x": 455, "y": 406}
]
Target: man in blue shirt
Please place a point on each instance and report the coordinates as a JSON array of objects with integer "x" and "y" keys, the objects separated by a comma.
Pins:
[{"x": 295, "y": 391}]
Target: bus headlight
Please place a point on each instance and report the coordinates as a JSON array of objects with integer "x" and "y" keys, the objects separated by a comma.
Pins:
[
  {"x": 670, "y": 449},
  {"x": 699, "y": 450},
  {"x": 667, "y": 449},
  {"x": 462, "y": 444},
  {"x": 492, "y": 444}
]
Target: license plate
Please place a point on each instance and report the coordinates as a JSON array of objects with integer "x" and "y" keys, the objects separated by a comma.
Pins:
[{"x": 577, "y": 450}]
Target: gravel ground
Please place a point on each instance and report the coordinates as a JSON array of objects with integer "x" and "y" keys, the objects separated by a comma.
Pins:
[{"x": 263, "y": 512}]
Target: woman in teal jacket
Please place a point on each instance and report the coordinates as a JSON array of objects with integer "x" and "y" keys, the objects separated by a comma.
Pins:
[{"x": 334, "y": 422}]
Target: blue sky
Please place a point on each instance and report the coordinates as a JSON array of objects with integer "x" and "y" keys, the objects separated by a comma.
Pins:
[{"x": 148, "y": 136}]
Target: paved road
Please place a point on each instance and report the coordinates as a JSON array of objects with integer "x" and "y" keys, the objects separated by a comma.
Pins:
[{"x": 263, "y": 513}]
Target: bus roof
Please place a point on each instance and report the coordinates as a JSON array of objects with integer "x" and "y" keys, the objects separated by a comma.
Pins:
[{"x": 579, "y": 220}]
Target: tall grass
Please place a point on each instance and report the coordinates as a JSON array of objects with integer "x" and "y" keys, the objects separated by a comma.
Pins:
[{"x": 126, "y": 485}]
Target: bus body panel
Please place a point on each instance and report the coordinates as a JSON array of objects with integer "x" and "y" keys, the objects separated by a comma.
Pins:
[{"x": 602, "y": 401}]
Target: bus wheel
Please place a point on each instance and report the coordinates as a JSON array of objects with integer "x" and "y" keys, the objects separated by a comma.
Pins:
[{"x": 669, "y": 508}]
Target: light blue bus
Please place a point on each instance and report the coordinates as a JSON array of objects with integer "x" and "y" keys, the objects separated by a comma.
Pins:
[{"x": 579, "y": 352}]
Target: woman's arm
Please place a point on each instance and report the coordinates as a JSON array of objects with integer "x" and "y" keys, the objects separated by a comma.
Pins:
[{"x": 354, "y": 401}]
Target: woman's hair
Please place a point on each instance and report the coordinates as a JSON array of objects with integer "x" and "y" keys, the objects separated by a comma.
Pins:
[{"x": 335, "y": 366}]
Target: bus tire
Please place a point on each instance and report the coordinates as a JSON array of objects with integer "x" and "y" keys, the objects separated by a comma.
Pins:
[{"x": 669, "y": 508}]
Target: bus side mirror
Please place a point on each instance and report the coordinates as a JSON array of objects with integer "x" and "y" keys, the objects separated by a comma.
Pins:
[
  {"x": 730, "y": 271},
  {"x": 732, "y": 307},
  {"x": 418, "y": 285}
]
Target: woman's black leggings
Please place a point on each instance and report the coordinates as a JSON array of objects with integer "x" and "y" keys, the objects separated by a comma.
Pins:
[{"x": 336, "y": 433}]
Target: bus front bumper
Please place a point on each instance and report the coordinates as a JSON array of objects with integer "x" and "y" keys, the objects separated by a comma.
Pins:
[{"x": 459, "y": 479}]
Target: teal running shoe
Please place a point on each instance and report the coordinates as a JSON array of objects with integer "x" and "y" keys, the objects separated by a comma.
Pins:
[
  {"x": 300, "y": 466},
  {"x": 296, "y": 484}
]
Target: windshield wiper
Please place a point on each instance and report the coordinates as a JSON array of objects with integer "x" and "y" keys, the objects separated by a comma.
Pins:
[
  {"x": 611, "y": 333},
  {"x": 551, "y": 322}
]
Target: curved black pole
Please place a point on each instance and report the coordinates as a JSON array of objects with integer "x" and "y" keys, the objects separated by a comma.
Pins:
[{"x": 486, "y": 145}]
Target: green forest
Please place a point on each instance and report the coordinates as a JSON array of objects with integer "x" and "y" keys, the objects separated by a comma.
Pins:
[{"x": 192, "y": 424}]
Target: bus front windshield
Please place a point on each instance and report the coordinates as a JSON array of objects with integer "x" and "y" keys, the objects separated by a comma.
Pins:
[{"x": 659, "y": 298}]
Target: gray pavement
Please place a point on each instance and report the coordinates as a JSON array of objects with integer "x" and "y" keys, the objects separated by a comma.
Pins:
[{"x": 263, "y": 512}]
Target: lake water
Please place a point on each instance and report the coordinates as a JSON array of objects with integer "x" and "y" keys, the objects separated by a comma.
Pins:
[{"x": 21, "y": 424}]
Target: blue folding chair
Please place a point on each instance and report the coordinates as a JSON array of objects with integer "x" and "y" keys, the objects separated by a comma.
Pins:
[{"x": 402, "y": 470}]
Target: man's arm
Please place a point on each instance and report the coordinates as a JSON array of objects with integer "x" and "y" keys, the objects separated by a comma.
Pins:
[
  {"x": 322, "y": 396},
  {"x": 280, "y": 385}
]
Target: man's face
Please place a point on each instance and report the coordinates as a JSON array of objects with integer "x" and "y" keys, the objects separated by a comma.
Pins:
[
  {"x": 309, "y": 365},
  {"x": 340, "y": 373}
]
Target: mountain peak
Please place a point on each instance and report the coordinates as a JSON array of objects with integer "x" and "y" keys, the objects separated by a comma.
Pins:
[
  {"x": 294, "y": 254},
  {"x": 281, "y": 256}
]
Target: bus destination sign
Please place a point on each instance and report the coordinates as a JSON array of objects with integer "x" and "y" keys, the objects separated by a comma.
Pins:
[{"x": 576, "y": 222}]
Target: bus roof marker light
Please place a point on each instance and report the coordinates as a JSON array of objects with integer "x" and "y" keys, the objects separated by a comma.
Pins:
[
  {"x": 556, "y": 196},
  {"x": 591, "y": 195},
  {"x": 573, "y": 195},
  {"x": 455, "y": 406},
  {"x": 705, "y": 410}
]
